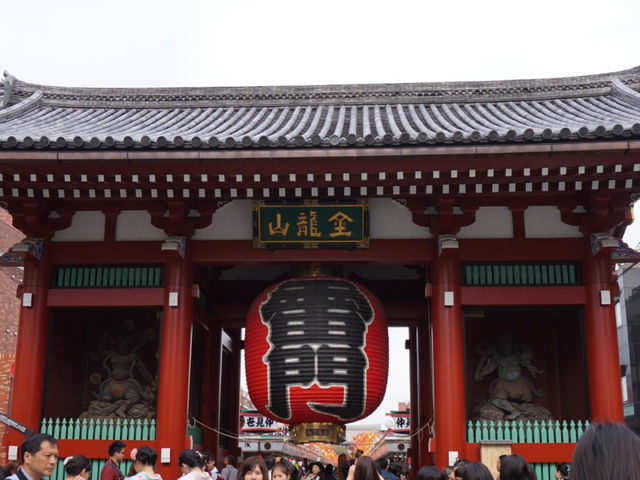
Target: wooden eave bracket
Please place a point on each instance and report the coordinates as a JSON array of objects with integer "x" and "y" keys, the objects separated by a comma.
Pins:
[
  {"x": 450, "y": 215},
  {"x": 35, "y": 219},
  {"x": 175, "y": 217}
]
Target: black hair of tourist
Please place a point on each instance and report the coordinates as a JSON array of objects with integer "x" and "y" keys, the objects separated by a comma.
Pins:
[
  {"x": 281, "y": 466},
  {"x": 231, "y": 460},
  {"x": 146, "y": 455},
  {"x": 460, "y": 468},
  {"x": 606, "y": 450},
  {"x": 366, "y": 469},
  {"x": 563, "y": 469},
  {"x": 430, "y": 473},
  {"x": 249, "y": 465},
  {"x": 476, "y": 471},
  {"x": 382, "y": 463},
  {"x": 191, "y": 458},
  {"x": 33, "y": 443},
  {"x": 514, "y": 467},
  {"x": 115, "y": 447},
  {"x": 343, "y": 466},
  {"x": 328, "y": 469},
  {"x": 320, "y": 475},
  {"x": 76, "y": 464},
  {"x": 207, "y": 456}
]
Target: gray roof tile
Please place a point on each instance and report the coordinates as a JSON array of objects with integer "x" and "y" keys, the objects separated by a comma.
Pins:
[{"x": 561, "y": 109}]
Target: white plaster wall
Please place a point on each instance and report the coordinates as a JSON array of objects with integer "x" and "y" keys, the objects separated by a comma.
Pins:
[
  {"x": 389, "y": 219},
  {"x": 491, "y": 222},
  {"x": 545, "y": 222},
  {"x": 135, "y": 225},
  {"x": 86, "y": 226},
  {"x": 232, "y": 221}
]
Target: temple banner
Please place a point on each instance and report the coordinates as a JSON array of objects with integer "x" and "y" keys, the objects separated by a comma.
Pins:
[{"x": 311, "y": 224}]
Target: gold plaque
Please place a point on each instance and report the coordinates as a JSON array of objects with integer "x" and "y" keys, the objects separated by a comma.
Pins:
[{"x": 317, "y": 432}]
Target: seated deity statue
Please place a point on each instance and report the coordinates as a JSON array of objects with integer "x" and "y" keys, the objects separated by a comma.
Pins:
[
  {"x": 121, "y": 395},
  {"x": 513, "y": 386}
]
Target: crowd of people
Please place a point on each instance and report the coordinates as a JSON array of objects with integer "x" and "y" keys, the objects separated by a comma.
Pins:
[{"x": 605, "y": 451}]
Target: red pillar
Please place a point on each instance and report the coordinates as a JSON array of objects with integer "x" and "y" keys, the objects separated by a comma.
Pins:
[
  {"x": 31, "y": 349},
  {"x": 175, "y": 353},
  {"x": 603, "y": 365},
  {"x": 448, "y": 356}
]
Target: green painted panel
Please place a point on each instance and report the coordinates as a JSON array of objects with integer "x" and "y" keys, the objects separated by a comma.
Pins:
[
  {"x": 525, "y": 274},
  {"x": 112, "y": 276}
]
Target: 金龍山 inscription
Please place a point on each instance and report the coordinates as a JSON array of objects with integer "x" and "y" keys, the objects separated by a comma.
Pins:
[{"x": 311, "y": 224}]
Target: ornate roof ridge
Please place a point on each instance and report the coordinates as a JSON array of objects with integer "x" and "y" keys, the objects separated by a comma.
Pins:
[{"x": 349, "y": 94}]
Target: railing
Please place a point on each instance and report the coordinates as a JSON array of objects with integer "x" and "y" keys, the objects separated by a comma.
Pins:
[
  {"x": 526, "y": 432},
  {"x": 529, "y": 432},
  {"x": 90, "y": 429},
  {"x": 96, "y": 429}
]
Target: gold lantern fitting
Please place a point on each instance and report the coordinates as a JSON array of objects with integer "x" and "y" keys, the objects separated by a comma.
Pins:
[{"x": 317, "y": 432}]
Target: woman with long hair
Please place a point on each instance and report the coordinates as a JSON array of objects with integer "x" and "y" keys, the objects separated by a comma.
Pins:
[
  {"x": 342, "y": 471},
  {"x": 364, "y": 469},
  {"x": 254, "y": 468},
  {"x": 606, "y": 451}
]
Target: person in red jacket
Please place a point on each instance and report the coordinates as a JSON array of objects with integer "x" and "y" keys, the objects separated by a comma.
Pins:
[{"x": 111, "y": 469}]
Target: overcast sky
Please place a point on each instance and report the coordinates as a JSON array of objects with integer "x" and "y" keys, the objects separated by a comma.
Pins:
[{"x": 140, "y": 43}]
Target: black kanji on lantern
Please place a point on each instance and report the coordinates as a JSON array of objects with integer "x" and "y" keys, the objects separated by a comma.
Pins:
[{"x": 317, "y": 333}]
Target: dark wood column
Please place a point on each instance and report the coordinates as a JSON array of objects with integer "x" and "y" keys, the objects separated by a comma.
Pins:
[
  {"x": 415, "y": 404},
  {"x": 425, "y": 392}
]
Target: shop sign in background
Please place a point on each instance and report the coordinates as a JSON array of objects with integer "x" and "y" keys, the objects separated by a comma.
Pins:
[{"x": 311, "y": 224}]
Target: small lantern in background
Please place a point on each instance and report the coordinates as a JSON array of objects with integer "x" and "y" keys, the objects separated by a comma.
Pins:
[{"x": 316, "y": 355}]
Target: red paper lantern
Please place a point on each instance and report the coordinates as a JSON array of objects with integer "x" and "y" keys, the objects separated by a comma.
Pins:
[{"x": 316, "y": 350}]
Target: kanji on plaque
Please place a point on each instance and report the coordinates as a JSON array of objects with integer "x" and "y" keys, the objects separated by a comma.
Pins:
[{"x": 311, "y": 224}]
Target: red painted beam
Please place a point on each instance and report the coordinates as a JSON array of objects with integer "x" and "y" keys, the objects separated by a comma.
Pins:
[
  {"x": 381, "y": 251},
  {"x": 523, "y": 295},
  {"x": 105, "y": 297},
  {"x": 531, "y": 452},
  {"x": 512, "y": 250},
  {"x": 98, "y": 448},
  {"x": 232, "y": 252},
  {"x": 79, "y": 253}
]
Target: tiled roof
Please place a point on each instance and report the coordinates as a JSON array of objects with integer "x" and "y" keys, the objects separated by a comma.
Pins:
[{"x": 562, "y": 109}]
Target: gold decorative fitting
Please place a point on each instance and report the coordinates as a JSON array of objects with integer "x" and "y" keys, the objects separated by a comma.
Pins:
[{"x": 317, "y": 432}]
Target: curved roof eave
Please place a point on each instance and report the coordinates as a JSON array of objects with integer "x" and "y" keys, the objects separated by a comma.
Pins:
[{"x": 559, "y": 109}]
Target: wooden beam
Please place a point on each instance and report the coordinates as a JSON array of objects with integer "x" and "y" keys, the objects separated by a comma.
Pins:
[
  {"x": 511, "y": 296},
  {"x": 105, "y": 297},
  {"x": 399, "y": 314}
]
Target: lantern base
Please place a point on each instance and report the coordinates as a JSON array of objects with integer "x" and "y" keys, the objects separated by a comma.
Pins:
[{"x": 317, "y": 432}]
